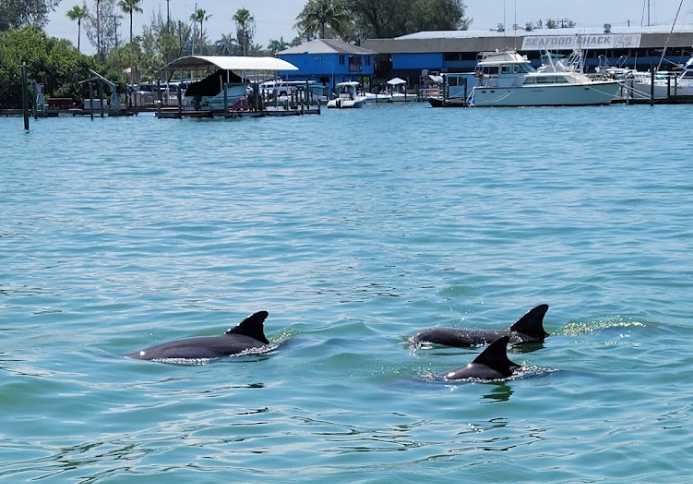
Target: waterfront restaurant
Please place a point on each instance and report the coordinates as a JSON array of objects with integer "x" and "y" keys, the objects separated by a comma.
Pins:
[{"x": 458, "y": 51}]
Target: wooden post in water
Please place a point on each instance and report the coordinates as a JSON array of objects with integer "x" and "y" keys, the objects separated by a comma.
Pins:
[
  {"x": 445, "y": 89},
  {"x": 25, "y": 98},
  {"x": 180, "y": 97},
  {"x": 101, "y": 97},
  {"x": 91, "y": 101},
  {"x": 34, "y": 108},
  {"x": 652, "y": 84},
  {"x": 226, "y": 99},
  {"x": 159, "y": 98},
  {"x": 465, "y": 90}
]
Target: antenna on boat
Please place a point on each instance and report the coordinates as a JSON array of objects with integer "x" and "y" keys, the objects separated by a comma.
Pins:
[
  {"x": 515, "y": 26},
  {"x": 664, "y": 50}
]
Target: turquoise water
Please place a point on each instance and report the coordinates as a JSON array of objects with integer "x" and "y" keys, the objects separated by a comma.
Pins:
[{"x": 354, "y": 229}]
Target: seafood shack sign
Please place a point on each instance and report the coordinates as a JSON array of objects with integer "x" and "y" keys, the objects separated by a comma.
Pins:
[{"x": 582, "y": 41}]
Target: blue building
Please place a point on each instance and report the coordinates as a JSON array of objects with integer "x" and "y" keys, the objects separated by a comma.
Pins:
[
  {"x": 328, "y": 61},
  {"x": 411, "y": 55}
]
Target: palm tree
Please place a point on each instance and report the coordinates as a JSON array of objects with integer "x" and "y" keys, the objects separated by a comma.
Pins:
[
  {"x": 129, "y": 7},
  {"x": 200, "y": 16},
  {"x": 226, "y": 45},
  {"x": 78, "y": 13},
  {"x": 275, "y": 46},
  {"x": 317, "y": 15},
  {"x": 245, "y": 28}
]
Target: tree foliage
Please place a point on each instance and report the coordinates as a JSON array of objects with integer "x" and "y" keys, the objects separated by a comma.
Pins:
[
  {"x": 17, "y": 13},
  {"x": 245, "y": 30},
  {"x": 101, "y": 26},
  {"x": 55, "y": 63},
  {"x": 323, "y": 19},
  {"x": 78, "y": 13},
  {"x": 557, "y": 23},
  {"x": 392, "y": 18}
]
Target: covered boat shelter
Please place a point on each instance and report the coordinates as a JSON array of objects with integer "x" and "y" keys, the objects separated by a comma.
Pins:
[{"x": 225, "y": 70}]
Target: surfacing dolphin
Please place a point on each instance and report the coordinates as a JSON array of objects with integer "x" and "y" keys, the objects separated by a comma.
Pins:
[
  {"x": 249, "y": 334},
  {"x": 492, "y": 364},
  {"x": 529, "y": 327}
]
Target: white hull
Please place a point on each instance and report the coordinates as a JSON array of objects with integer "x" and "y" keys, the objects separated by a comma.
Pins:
[
  {"x": 661, "y": 90},
  {"x": 377, "y": 98},
  {"x": 344, "y": 103},
  {"x": 592, "y": 94}
]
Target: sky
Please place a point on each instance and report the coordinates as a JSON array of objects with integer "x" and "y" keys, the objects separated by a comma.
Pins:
[{"x": 276, "y": 18}]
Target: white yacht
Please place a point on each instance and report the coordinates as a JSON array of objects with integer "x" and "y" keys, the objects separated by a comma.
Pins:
[
  {"x": 508, "y": 79},
  {"x": 666, "y": 83}
]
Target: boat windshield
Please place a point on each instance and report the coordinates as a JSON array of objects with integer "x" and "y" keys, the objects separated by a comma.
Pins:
[
  {"x": 501, "y": 69},
  {"x": 546, "y": 80}
]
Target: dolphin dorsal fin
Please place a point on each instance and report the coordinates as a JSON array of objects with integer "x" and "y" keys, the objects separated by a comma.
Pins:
[
  {"x": 252, "y": 326},
  {"x": 532, "y": 323},
  {"x": 495, "y": 356}
]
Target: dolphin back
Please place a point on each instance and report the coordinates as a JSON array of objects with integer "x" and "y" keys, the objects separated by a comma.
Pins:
[
  {"x": 495, "y": 356},
  {"x": 532, "y": 323},
  {"x": 252, "y": 326}
]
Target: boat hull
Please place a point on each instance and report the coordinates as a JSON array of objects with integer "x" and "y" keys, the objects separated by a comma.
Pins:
[
  {"x": 343, "y": 103},
  {"x": 456, "y": 102},
  {"x": 234, "y": 93},
  {"x": 592, "y": 94}
]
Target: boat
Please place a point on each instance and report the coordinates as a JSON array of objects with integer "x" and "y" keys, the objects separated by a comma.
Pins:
[
  {"x": 228, "y": 86},
  {"x": 377, "y": 97},
  {"x": 348, "y": 96},
  {"x": 208, "y": 94},
  {"x": 667, "y": 83},
  {"x": 507, "y": 78},
  {"x": 453, "y": 102}
]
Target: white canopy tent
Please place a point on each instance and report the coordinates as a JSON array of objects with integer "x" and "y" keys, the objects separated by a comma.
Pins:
[{"x": 396, "y": 81}]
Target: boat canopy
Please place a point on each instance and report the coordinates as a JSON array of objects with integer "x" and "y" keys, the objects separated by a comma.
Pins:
[{"x": 230, "y": 63}]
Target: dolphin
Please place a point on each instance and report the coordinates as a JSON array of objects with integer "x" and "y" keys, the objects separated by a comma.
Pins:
[
  {"x": 491, "y": 364},
  {"x": 529, "y": 327},
  {"x": 247, "y": 335}
]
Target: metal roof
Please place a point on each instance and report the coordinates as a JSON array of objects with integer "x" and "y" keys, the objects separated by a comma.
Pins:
[
  {"x": 231, "y": 63},
  {"x": 489, "y": 40},
  {"x": 326, "y": 46}
]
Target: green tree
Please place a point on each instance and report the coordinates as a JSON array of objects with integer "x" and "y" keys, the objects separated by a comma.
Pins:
[
  {"x": 17, "y": 13},
  {"x": 392, "y": 18},
  {"x": 428, "y": 15},
  {"x": 275, "y": 46},
  {"x": 129, "y": 7},
  {"x": 55, "y": 63},
  {"x": 227, "y": 45},
  {"x": 245, "y": 29},
  {"x": 558, "y": 23},
  {"x": 78, "y": 13},
  {"x": 102, "y": 28},
  {"x": 200, "y": 16},
  {"x": 320, "y": 17}
]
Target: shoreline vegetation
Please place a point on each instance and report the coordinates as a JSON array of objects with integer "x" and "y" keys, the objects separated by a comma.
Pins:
[{"x": 138, "y": 57}]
